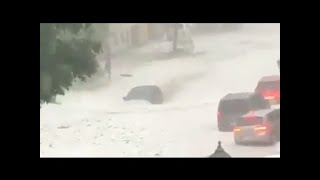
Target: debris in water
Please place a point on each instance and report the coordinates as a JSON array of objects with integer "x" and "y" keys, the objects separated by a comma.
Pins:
[
  {"x": 126, "y": 75},
  {"x": 63, "y": 127}
]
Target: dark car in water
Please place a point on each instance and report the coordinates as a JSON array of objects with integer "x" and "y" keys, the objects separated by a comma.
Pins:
[
  {"x": 261, "y": 126},
  {"x": 233, "y": 106},
  {"x": 150, "y": 93}
]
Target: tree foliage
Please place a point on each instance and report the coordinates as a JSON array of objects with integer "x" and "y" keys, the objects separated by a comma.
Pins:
[{"x": 64, "y": 59}]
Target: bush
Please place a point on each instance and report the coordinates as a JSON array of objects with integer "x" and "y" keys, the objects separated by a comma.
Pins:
[{"x": 64, "y": 59}]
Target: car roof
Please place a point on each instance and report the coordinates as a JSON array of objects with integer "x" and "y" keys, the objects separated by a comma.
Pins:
[
  {"x": 233, "y": 96},
  {"x": 270, "y": 78}
]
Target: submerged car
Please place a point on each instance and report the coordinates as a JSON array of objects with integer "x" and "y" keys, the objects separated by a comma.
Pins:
[
  {"x": 233, "y": 106},
  {"x": 261, "y": 126},
  {"x": 269, "y": 88},
  {"x": 150, "y": 93}
]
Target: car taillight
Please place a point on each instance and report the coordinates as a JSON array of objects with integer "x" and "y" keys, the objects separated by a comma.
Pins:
[
  {"x": 261, "y": 128},
  {"x": 220, "y": 116},
  {"x": 236, "y": 130},
  {"x": 275, "y": 93},
  {"x": 271, "y": 94}
]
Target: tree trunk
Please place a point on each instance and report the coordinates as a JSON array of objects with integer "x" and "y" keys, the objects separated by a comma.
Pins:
[
  {"x": 108, "y": 52},
  {"x": 175, "y": 37}
]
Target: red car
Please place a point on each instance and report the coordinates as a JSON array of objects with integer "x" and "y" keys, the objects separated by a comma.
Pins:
[{"x": 269, "y": 88}]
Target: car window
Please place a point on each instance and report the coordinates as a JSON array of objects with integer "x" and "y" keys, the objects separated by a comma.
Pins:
[
  {"x": 268, "y": 85},
  {"x": 234, "y": 106},
  {"x": 249, "y": 121}
]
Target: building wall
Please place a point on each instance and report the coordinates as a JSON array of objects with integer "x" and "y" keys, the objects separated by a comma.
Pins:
[
  {"x": 120, "y": 36},
  {"x": 139, "y": 34},
  {"x": 157, "y": 30},
  {"x": 126, "y": 35}
]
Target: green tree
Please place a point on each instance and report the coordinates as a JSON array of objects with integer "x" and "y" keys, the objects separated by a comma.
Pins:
[{"x": 66, "y": 52}]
